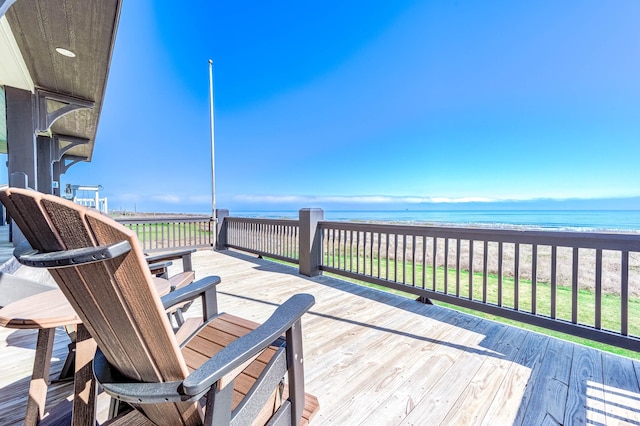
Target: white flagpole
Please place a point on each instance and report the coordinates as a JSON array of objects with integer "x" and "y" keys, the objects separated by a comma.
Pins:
[{"x": 213, "y": 163}]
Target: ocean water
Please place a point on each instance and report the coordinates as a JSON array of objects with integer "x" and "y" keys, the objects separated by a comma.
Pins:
[{"x": 582, "y": 220}]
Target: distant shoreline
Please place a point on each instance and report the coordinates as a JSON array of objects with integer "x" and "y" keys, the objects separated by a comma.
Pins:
[
  {"x": 627, "y": 221},
  {"x": 602, "y": 221},
  {"x": 147, "y": 215}
]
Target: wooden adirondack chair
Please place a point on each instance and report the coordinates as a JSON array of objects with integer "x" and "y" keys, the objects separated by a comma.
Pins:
[
  {"x": 101, "y": 269},
  {"x": 159, "y": 266}
]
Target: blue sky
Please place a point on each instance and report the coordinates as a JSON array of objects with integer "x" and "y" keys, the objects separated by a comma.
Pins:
[{"x": 372, "y": 105}]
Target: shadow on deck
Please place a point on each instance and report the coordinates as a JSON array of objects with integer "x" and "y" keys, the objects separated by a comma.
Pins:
[{"x": 376, "y": 358}]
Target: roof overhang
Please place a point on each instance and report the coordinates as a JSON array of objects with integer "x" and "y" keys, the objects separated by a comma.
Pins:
[
  {"x": 30, "y": 33},
  {"x": 13, "y": 70}
]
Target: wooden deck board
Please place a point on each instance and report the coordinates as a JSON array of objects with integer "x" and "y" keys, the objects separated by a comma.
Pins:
[
  {"x": 388, "y": 376},
  {"x": 511, "y": 396},
  {"x": 585, "y": 401},
  {"x": 621, "y": 389},
  {"x": 547, "y": 398},
  {"x": 441, "y": 400},
  {"x": 399, "y": 402},
  {"x": 376, "y": 358},
  {"x": 474, "y": 402}
]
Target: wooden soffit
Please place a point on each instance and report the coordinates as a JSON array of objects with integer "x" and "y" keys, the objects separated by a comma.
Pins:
[{"x": 88, "y": 29}]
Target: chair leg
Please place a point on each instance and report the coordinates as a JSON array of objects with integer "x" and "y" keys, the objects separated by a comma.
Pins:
[
  {"x": 179, "y": 317},
  {"x": 85, "y": 391},
  {"x": 40, "y": 377},
  {"x": 218, "y": 408},
  {"x": 114, "y": 409},
  {"x": 67, "y": 370},
  {"x": 117, "y": 408}
]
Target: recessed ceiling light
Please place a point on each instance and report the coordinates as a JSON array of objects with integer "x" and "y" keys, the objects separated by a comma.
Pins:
[{"x": 65, "y": 52}]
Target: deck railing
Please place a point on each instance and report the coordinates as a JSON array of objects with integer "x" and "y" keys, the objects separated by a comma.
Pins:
[
  {"x": 166, "y": 233},
  {"x": 581, "y": 283},
  {"x": 265, "y": 237}
]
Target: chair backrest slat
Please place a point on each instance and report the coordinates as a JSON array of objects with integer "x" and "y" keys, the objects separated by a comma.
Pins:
[
  {"x": 115, "y": 299},
  {"x": 34, "y": 227}
]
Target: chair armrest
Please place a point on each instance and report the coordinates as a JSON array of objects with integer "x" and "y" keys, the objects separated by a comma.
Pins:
[
  {"x": 59, "y": 259},
  {"x": 246, "y": 347},
  {"x": 185, "y": 255},
  {"x": 200, "y": 381},
  {"x": 190, "y": 291},
  {"x": 114, "y": 384}
]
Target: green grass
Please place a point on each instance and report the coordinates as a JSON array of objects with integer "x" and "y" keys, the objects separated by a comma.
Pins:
[
  {"x": 610, "y": 304},
  {"x": 505, "y": 295},
  {"x": 150, "y": 235}
]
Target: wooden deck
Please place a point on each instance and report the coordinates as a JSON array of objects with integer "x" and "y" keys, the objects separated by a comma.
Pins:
[{"x": 379, "y": 359}]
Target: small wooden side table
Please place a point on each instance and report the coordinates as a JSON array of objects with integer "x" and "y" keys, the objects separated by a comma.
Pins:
[
  {"x": 46, "y": 311},
  {"x": 43, "y": 312}
]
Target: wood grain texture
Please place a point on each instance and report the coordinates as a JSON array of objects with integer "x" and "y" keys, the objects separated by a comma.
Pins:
[
  {"x": 370, "y": 352},
  {"x": 85, "y": 387},
  {"x": 115, "y": 299},
  {"x": 621, "y": 389},
  {"x": 517, "y": 384},
  {"x": 49, "y": 309},
  {"x": 40, "y": 377},
  {"x": 445, "y": 393},
  {"x": 471, "y": 406},
  {"x": 555, "y": 367},
  {"x": 216, "y": 335},
  {"x": 585, "y": 400}
]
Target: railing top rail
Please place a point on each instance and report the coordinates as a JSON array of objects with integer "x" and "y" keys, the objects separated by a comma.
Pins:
[
  {"x": 287, "y": 222},
  {"x": 593, "y": 240}
]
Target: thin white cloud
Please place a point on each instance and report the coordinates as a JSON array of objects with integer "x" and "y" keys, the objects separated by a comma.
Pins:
[
  {"x": 462, "y": 200},
  {"x": 168, "y": 198},
  {"x": 358, "y": 199}
]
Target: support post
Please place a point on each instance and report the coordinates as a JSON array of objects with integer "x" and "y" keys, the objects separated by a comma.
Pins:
[
  {"x": 221, "y": 229},
  {"x": 56, "y": 178},
  {"x": 310, "y": 256},
  {"x": 17, "y": 180},
  {"x": 21, "y": 142},
  {"x": 44, "y": 164}
]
